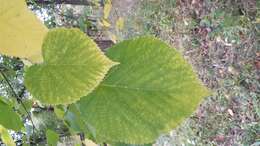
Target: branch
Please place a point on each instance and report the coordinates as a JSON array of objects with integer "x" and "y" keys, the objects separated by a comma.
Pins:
[{"x": 19, "y": 100}]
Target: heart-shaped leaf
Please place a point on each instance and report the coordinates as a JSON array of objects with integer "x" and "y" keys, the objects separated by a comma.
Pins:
[
  {"x": 21, "y": 32},
  {"x": 150, "y": 92},
  {"x": 73, "y": 66}
]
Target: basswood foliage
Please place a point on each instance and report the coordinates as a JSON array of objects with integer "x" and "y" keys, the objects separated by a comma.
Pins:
[
  {"x": 150, "y": 92},
  {"x": 73, "y": 66},
  {"x": 8, "y": 118},
  {"x": 21, "y": 32}
]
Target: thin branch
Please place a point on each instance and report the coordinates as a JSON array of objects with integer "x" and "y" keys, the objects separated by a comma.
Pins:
[
  {"x": 10, "y": 86},
  {"x": 82, "y": 138},
  {"x": 19, "y": 100}
]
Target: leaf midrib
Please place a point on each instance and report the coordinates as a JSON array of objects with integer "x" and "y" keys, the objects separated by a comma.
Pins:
[{"x": 131, "y": 88}]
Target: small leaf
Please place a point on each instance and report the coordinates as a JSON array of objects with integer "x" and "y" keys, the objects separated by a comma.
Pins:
[
  {"x": 120, "y": 23},
  {"x": 73, "y": 66},
  {"x": 9, "y": 119},
  {"x": 75, "y": 121},
  {"x": 105, "y": 23},
  {"x": 52, "y": 138},
  {"x": 107, "y": 9},
  {"x": 21, "y": 32},
  {"x": 6, "y": 137},
  {"x": 59, "y": 112},
  {"x": 149, "y": 93}
]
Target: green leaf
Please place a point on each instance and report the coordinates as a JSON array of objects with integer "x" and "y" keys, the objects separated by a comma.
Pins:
[
  {"x": 74, "y": 119},
  {"x": 76, "y": 123},
  {"x": 59, "y": 111},
  {"x": 9, "y": 119},
  {"x": 21, "y": 32},
  {"x": 52, "y": 138},
  {"x": 150, "y": 92},
  {"x": 73, "y": 66},
  {"x": 6, "y": 137}
]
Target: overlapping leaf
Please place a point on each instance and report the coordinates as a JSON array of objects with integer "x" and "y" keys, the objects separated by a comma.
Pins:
[
  {"x": 150, "y": 92},
  {"x": 8, "y": 118},
  {"x": 21, "y": 32},
  {"x": 73, "y": 66}
]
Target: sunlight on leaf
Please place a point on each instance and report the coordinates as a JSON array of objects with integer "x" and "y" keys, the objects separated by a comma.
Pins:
[{"x": 21, "y": 32}]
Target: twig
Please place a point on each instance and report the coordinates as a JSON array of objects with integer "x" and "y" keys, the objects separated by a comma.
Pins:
[
  {"x": 82, "y": 138},
  {"x": 19, "y": 100}
]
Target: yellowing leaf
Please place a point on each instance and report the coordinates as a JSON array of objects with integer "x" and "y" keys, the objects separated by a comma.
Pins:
[
  {"x": 105, "y": 23},
  {"x": 107, "y": 8},
  {"x": 21, "y": 33},
  {"x": 73, "y": 66},
  {"x": 120, "y": 23},
  {"x": 6, "y": 137}
]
